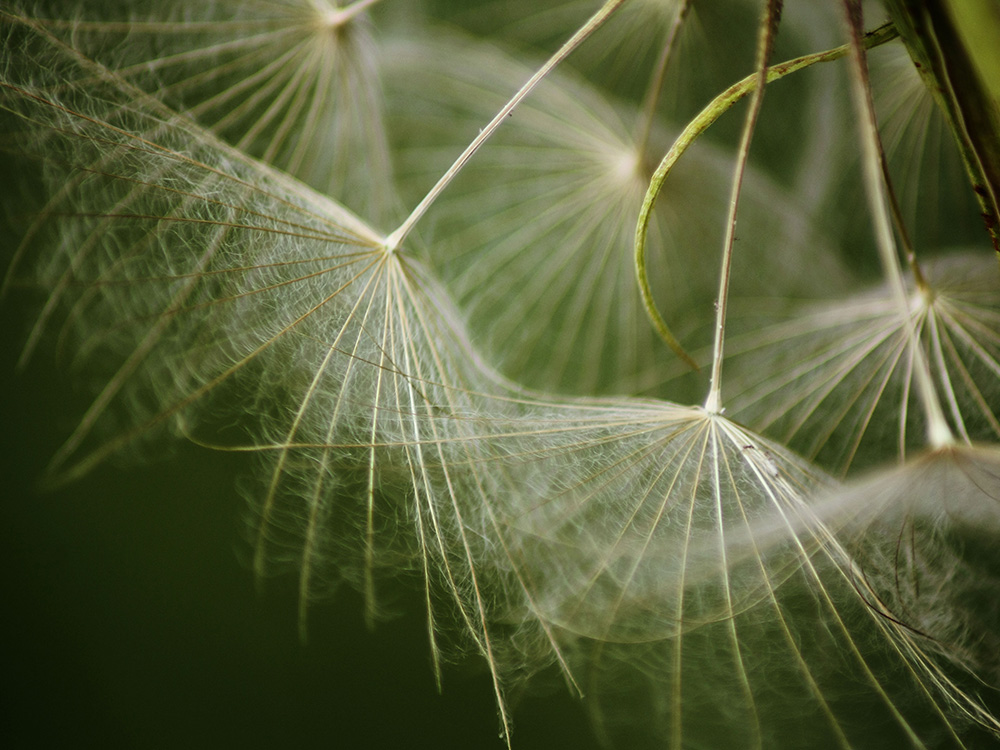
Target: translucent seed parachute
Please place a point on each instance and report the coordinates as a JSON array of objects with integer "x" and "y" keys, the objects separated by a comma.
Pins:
[{"x": 698, "y": 584}]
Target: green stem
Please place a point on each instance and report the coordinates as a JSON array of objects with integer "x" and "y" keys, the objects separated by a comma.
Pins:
[
  {"x": 932, "y": 31},
  {"x": 715, "y": 109}
]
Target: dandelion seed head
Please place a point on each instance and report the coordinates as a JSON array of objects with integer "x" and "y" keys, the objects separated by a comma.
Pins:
[
  {"x": 844, "y": 391},
  {"x": 626, "y": 168},
  {"x": 554, "y": 301},
  {"x": 915, "y": 533},
  {"x": 631, "y": 542}
]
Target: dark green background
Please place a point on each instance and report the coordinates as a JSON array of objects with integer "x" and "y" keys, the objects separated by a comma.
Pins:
[{"x": 130, "y": 620}]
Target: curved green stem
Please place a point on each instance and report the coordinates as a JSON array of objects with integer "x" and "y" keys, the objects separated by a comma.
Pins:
[{"x": 715, "y": 109}]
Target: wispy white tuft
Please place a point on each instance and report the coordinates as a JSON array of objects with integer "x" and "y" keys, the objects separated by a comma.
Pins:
[
  {"x": 295, "y": 82},
  {"x": 835, "y": 379},
  {"x": 535, "y": 238},
  {"x": 700, "y": 584}
]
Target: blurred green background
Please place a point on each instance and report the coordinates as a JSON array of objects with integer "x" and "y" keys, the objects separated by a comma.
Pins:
[{"x": 131, "y": 621}]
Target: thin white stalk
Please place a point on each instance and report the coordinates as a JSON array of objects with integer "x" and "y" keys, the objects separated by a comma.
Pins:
[
  {"x": 396, "y": 238},
  {"x": 765, "y": 43},
  {"x": 656, "y": 82},
  {"x": 339, "y": 16},
  {"x": 939, "y": 434}
]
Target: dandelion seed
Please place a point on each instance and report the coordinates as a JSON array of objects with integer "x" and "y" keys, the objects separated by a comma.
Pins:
[
  {"x": 220, "y": 290},
  {"x": 552, "y": 295},
  {"x": 285, "y": 81},
  {"x": 836, "y": 381},
  {"x": 667, "y": 560},
  {"x": 914, "y": 532}
]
